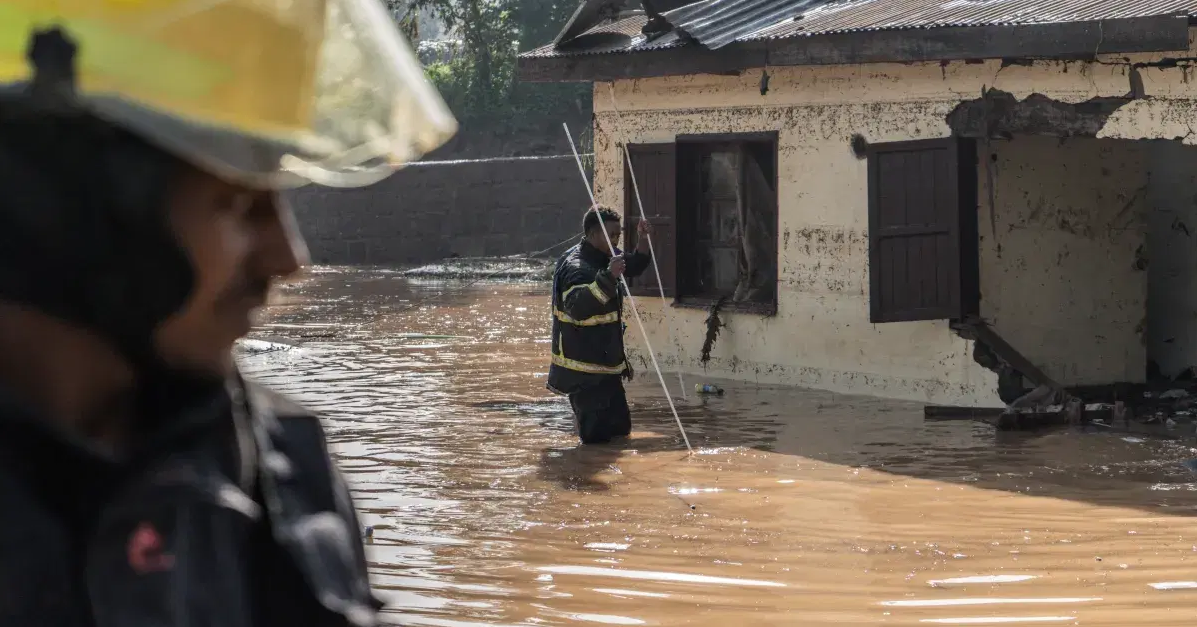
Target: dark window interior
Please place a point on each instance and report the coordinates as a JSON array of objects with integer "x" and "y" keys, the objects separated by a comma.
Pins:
[
  {"x": 727, "y": 221},
  {"x": 713, "y": 203}
]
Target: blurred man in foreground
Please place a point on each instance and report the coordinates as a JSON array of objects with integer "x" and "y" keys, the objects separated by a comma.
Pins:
[{"x": 142, "y": 148}]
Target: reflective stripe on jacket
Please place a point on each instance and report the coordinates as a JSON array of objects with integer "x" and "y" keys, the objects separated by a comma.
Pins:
[{"x": 587, "y": 318}]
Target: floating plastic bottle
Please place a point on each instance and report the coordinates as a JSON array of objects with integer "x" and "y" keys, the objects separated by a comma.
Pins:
[{"x": 708, "y": 389}]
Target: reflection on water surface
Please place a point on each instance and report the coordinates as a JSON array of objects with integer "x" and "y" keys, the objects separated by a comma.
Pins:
[{"x": 800, "y": 508}]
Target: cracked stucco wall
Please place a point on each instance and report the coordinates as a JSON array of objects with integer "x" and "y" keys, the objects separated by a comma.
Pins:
[
  {"x": 1060, "y": 243},
  {"x": 821, "y": 336}
]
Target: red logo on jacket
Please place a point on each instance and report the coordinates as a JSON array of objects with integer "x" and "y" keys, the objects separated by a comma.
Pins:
[{"x": 146, "y": 553}]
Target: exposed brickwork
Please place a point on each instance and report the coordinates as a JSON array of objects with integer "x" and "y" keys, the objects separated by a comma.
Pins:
[{"x": 431, "y": 211}]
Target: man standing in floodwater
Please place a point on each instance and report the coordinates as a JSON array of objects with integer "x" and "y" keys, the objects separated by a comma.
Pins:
[{"x": 588, "y": 357}]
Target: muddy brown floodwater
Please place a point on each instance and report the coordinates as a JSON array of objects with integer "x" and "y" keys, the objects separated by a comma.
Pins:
[{"x": 800, "y": 508}]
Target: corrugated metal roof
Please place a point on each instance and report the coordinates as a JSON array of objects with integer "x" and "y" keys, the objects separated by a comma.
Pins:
[
  {"x": 716, "y": 23},
  {"x": 587, "y": 15},
  {"x": 629, "y": 27},
  {"x": 864, "y": 15}
]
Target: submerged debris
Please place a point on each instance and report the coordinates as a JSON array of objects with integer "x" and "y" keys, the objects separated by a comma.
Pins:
[
  {"x": 1039, "y": 397},
  {"x": 713, "y": 325},
  {"x": 1167, "y": 413}
]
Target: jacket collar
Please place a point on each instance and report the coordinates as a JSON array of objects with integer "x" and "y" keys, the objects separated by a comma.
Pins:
[
  {"x": 71, "y": 475},
  {"x": 171, "y": 412},
  {"x": 594, "y": 256},
  {"x": 62, "y": 471}
]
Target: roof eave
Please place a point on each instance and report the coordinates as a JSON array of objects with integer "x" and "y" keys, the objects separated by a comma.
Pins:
[{"x": 1064, "y": 40}]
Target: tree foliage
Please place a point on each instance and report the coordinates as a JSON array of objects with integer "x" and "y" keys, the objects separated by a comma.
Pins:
[{"x": 479, "y": 81}]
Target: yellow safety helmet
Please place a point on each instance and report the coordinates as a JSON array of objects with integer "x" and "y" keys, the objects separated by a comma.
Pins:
[{"x": 268, "y": 93}]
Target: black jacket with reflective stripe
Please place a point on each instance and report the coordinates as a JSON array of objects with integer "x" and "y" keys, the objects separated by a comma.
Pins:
[
  {"x": 587, "y": 318},
  {"x": 235, "y": 516}
]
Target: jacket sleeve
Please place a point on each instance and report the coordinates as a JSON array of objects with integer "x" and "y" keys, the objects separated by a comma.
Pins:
[
  {"x": 638, "y": 262},
  {"x": 581, "y": 300}
]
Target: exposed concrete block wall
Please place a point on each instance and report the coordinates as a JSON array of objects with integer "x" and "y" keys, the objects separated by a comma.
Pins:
[
  {"x": 430, "y": 211},
  {"x": 821, "y": 336},
  {"x": 1172, "y": 254},
  {"x": 1063, "y": 274}
]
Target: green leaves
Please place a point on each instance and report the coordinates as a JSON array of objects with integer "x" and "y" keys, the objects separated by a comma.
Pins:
[{"x": 479, "y": 83}]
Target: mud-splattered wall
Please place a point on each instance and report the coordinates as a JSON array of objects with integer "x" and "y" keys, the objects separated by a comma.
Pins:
[
  {"x": 1062, "y": 243},
  {"x": 430, "y": 211},
  {"x": 1118, "y": 283},
  {"x": 821, "y": 336}
]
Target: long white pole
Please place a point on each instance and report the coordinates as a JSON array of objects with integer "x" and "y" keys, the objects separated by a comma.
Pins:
[
  {"x": 631, "y": 301},
  {"x": 677, "y": 345},
  {"x": 660, "y": 284}
]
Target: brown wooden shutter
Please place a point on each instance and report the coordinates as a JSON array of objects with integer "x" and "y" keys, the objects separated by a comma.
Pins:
[
  {"x": 922, "y": 230},
  {"x": 656, "y": 177}
]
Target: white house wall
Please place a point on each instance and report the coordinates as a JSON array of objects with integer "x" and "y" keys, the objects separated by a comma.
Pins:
[
  {"x": 1061, "y": 278},
  {"x": 821, "y": 336}
]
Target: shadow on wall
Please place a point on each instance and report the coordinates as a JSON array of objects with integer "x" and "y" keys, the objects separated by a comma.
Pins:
[{"x": 434, "y": 210}]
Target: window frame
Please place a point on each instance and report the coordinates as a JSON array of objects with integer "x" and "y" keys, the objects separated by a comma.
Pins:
[{"x": 685, "y": 222}]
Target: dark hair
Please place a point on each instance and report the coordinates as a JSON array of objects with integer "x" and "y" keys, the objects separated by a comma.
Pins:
[{"x": 597, "y": 213}]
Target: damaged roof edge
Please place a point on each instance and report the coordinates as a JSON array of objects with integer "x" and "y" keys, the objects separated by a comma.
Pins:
[
  {"x": 585, "y": 17},
  {"x": 1061, "y": 40},
  {"x": 591, "y": 13},
  {"x": 717, "y": 23}
]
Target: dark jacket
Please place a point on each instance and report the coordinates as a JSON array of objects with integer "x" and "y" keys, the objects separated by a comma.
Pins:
[
  {"x": 234, "y": 516},
  {"x": 588, "y": 318}
]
